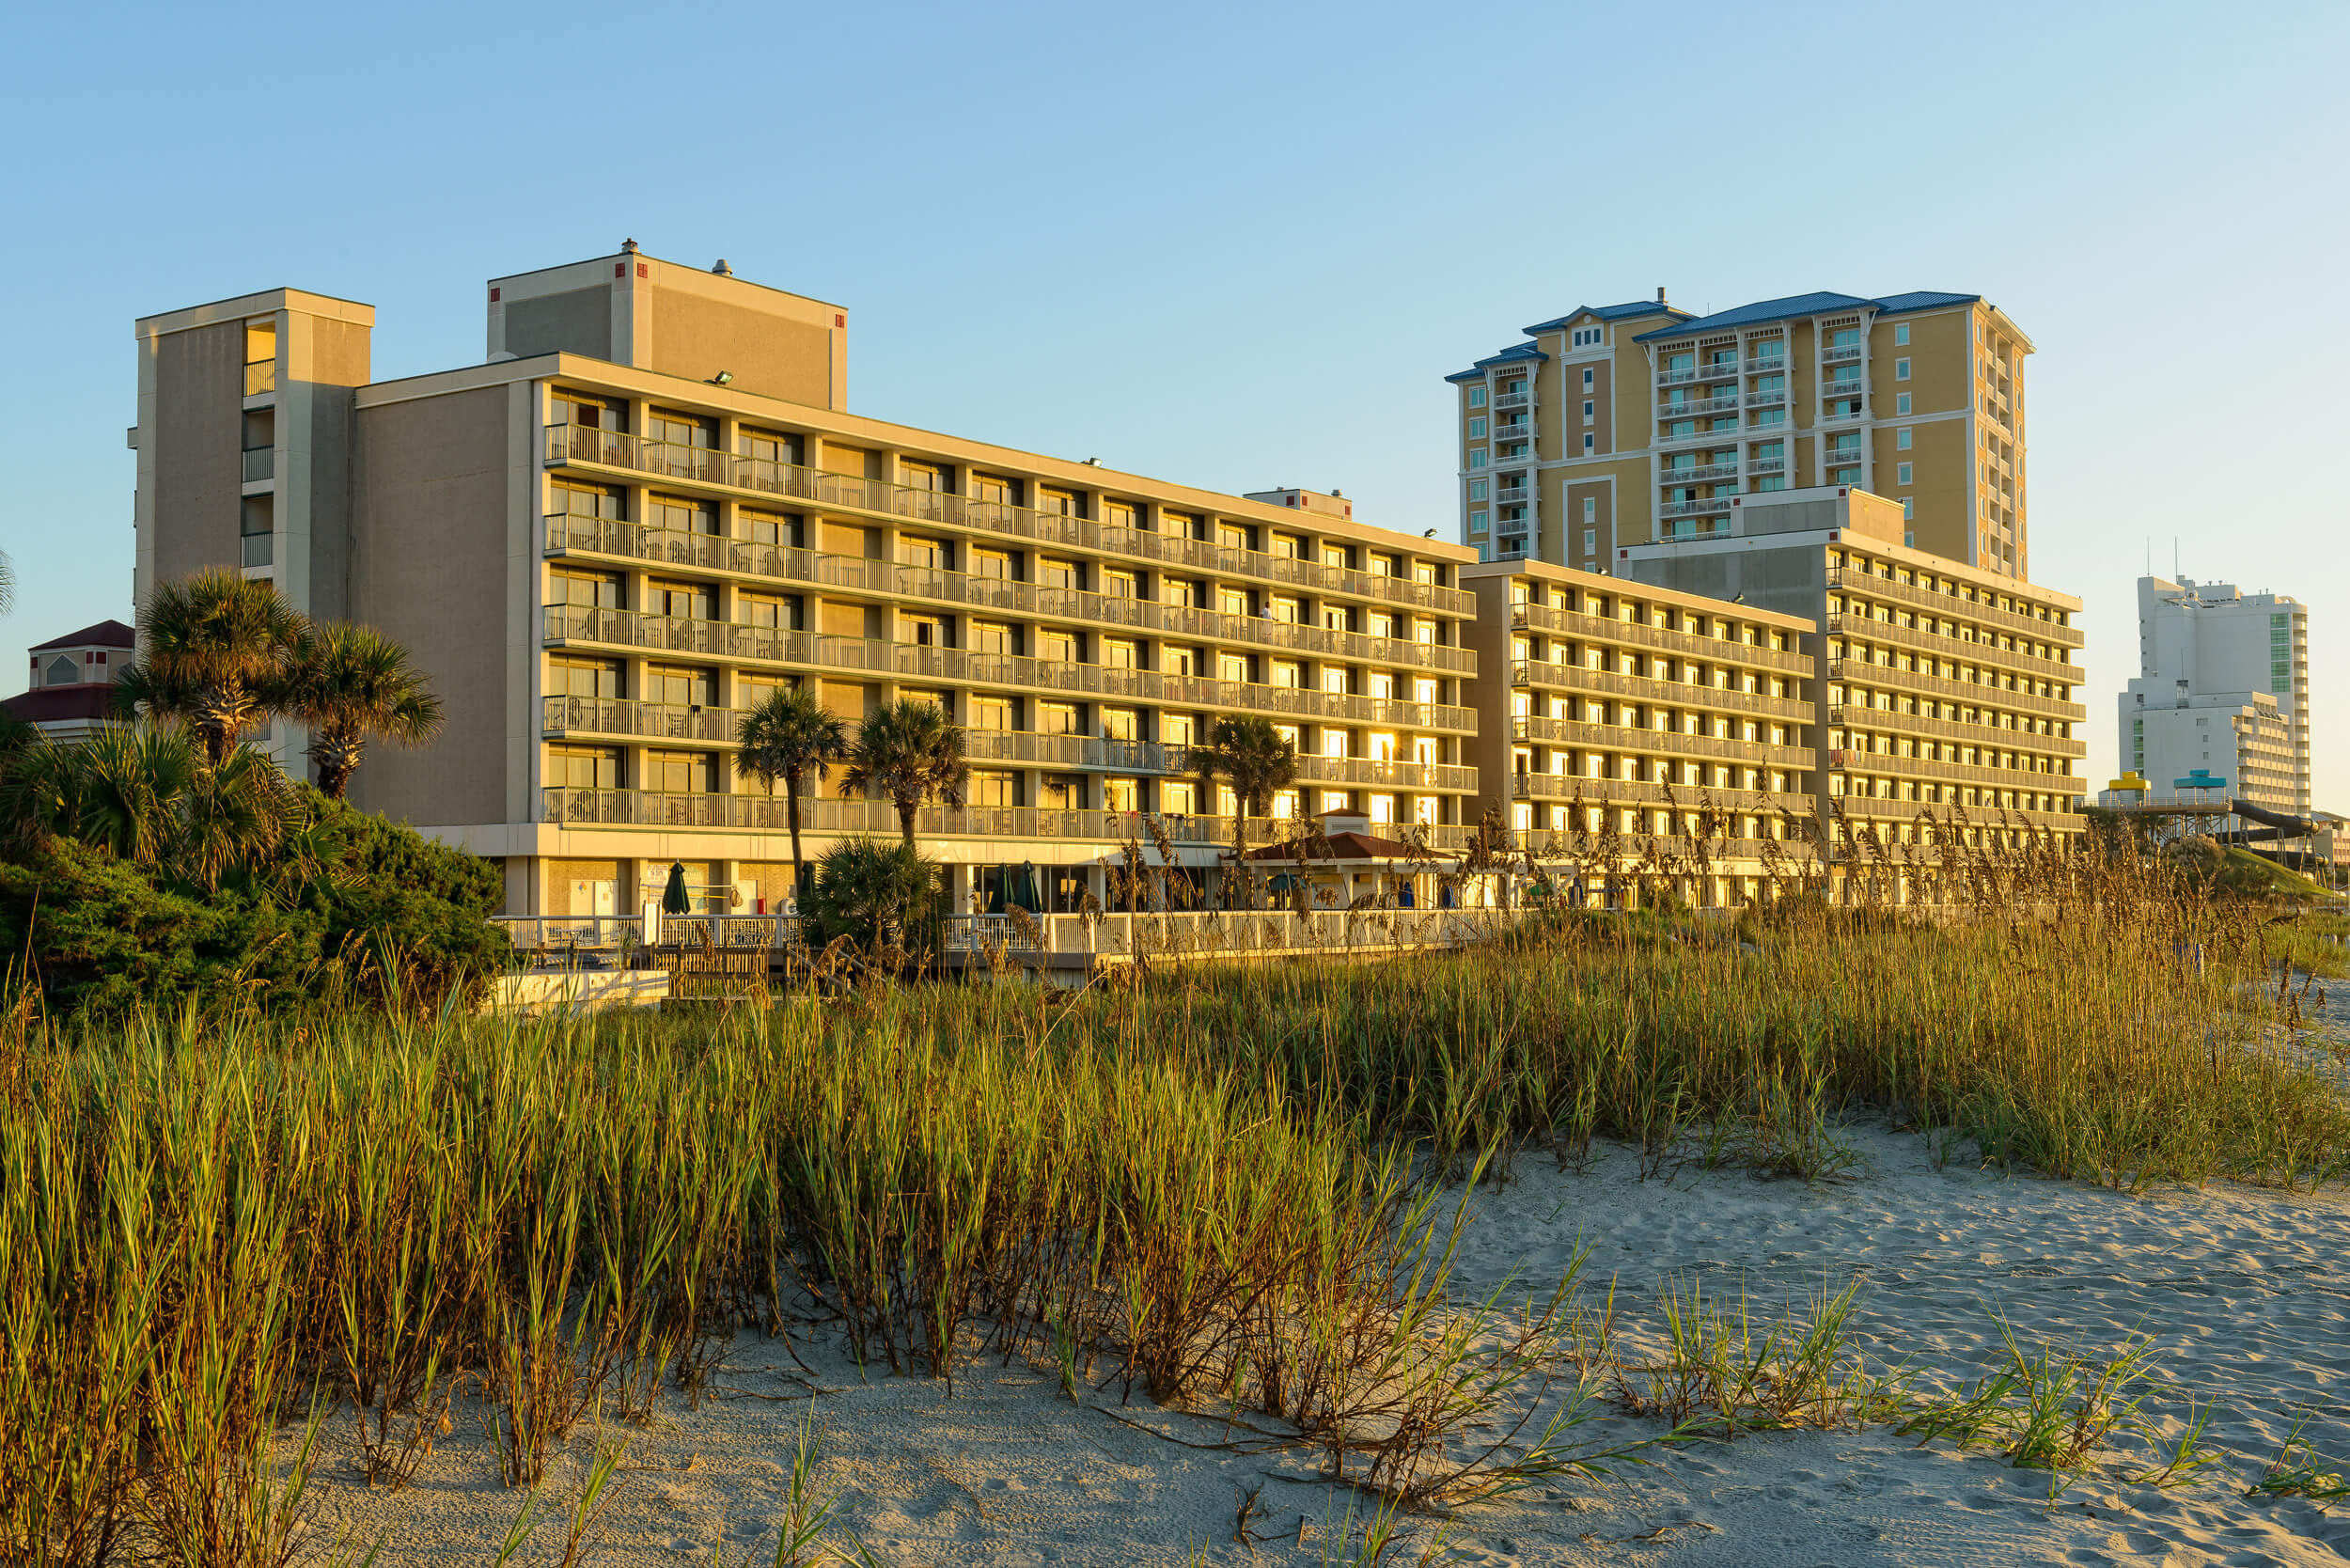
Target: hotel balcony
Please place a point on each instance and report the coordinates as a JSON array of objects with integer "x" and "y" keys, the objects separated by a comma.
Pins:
[
  {"x": 1721, "y": 402},
  {"x": 1511, "y": 494},
  {"x": 1961, "y": 818},
  {"x": 1840, "y": 457},
  {"x": 261, "y": 462},
  {"x": 1771, "y": 365},
  {"x": 569, "y": 625},
  {"x": 1863, "y": 583},
  {"x": 1666, "y": 742},
  {"x": 1695, "y": 509},
  {"x": 622, "y": 717},
  {"x": 1758, "y": 467},
  {"x": 571, "y": 446},
  {"x": 570, "y": 534},
  {"x": 1943, "y": 646},
  {"x": 1965, "y": 692},
  {"x": 1635, "y": 634},
  {"x": 1844, "y": 716},
  {"x": 1643, "y": 688},
  {"x": 1725, "y": 370},
  {"x": 1704, "y": 475},
  {"x": 1522, "y": 430},
  {"x": 1675, "y": 378},
  {"x": 1699, "y": 438},
  {"x": 1505, "y": 402},
  {"x": 1848, "y": 354},
  {"x": 1776, "y": 397},
  {"x": 1873, "y": 762}
]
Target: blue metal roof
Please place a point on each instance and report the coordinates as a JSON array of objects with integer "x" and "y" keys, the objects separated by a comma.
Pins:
[
  {"x": 1523, "y": 352},
  {"x": 1795, "y": 305},
  {"x": 1607, "y": 313}
]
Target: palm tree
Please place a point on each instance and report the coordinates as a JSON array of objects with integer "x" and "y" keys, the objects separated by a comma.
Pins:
[
  {"x": 146, "y": 792},
  {"x": 1251, "y": 756},
  {"x": 790, "y": 736},
  {"x": 911, "y": 752},
  {"x": 215, "y": 656},
  {"x": 352, "y": 684}
]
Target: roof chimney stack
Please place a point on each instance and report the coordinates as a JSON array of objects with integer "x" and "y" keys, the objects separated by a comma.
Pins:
[{"x": 1660, "y": 293}]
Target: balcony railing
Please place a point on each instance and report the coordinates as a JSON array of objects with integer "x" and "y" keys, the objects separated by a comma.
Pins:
[
  {"x": 761, "y": 813},
  {"x": 1840, "y": 457},
  {"x": 1521, "y": 430},
  {"x": 1844, "y": 716},
  {"x": 1675, "y": 693},
  {"x": 1669, "y": 742},
  {"x": 260, "y": 376},
  {"x": 1727, "y": 370},
  {"x": 1704, "y": 474},
  {"x": 1505, "y": 402},
  {"x": 1694, "y": 508},
  {"x": 568, "y": 532},
  {"x": 573, "y": 623},
  {"x": 1599, "y": 628},
  {"x": 261, "y": 462},
  {"x": 1676, "y": 378},
  {"x": 1979, "y": 693},
  {"x": 1766, "y": 466},
  {"x": 1851, "y": 388},
  {"x": 1843, "y": 355},
  {"x": 1943, "y": 646},
  {"x": 1510, "y": 495},
  {"x": 1770, "y": 365},
  {"x": 1699, "y": 438},
  {"x": 610, "y": 716},
  {"x": 1776, "y": 397},
  {"x": 574, "y": 444},
  {"x": 1952, "y": 773},
  {"x": 1950, "y": 604}
]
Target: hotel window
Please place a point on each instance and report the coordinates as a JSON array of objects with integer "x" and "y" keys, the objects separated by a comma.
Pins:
[
  {"x": 1232, "y": 666},
  {"x": 1901, "y": 369},
  {"x": 1178, "y": 797},
  {"x": 587, "y": 678},
  {"x": 590, "y": 414},
  {"x": 1476, "y": 523},
  {"x": 771, "y": 449},
  {"x": 1286, "y": 547},
  {"x": 1477, "y": 397},
  {"x": 681, "y": 773},
  {"x": 1121, "y": 795},
  {"x": 255, "y": 523},
  {"x": 922, "y": 631},
  {"x": 782, "y": 613},
  {"x": 1477, "y": 493},
  {"x": 590, "y": 589},
  {"x": 1289, "y": 673},
  {"x": 991, "y": 712},
  {"x": 1120, "y": 514},
  {"x": 916, "y": 551},
  {"x": 682, "y": 429},
  {"x": 1121, "y": 585},
  {"x": 1590, "y": 541},
  {"x": 1587, "y": 379},
  {"x": 1901, "y": 473},
  {"x": 1901, "y": 402},
  {"x": 1056, "y": 503},
  {"x": 1901, "y": 336},
  {"x": 688, "y": 600},
  {"x": 1057, "y": 647},
  {"x": 681, "y": 685},
  {"x": 679, "y": 515},
  {"x": 1476, "y": 458},
  {"x": 1233, "y": 535},
  {"x": 986, "y": 487},
  {"x": 1058, "y": 718},
  {"x": 1059, "y": 574},
  {"x": 1587, "y": 442},
  {"x": 1477, "y": 429},
  {"x": 990, "y": 636},
  {"x": 1590, "y": 411},
  {"x": 921, "y": 475},
  {"x": 1902, "y": 439},
  {"x": 787, "y": 530},
  {"x": 1183, "y": 592},
  {"x": 1910, "y": 508},
  {"x": 989, "y": 788},
  {"x": 1286, "y": 609},
  {"x": 1182, "y": 525},
  {"x": 579, "y": 500},
  {"x": 993, "y": 564},
  {"x": 1118, "y": 653},
  {"x": 1231, "y": 601},
  {"x": 1181, "y": 661},
  {"x": 580, "y": 767},
  {"x": 1334, "y": 680}
]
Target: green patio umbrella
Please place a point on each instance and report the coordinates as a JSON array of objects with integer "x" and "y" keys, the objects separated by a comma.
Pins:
[
  {"x": 1024, "y": 894},
  {"x": 673, "y": 900}
]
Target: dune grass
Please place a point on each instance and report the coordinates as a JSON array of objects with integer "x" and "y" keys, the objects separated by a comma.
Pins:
[{"x": 1213, "y": 1188}]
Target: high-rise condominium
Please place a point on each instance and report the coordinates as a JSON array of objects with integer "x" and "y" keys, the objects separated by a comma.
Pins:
[
  {"x": 1622, "y": 425},
  {"x": 650, "y": 508},
  {"x": 2223, "y": 686}
]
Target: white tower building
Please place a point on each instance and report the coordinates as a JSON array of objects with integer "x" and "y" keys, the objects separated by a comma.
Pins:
[{"x": 2222, "y": 685}]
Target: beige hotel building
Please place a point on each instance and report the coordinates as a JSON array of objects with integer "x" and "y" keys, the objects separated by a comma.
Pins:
[
  {"x": 1625, "y": 425},
  {"x": 649, "y": 507}
]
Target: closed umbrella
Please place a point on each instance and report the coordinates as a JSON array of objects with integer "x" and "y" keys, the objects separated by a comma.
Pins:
[
  {"x": 673, "y": 900},
  {"x": 1024, "y": 894}
]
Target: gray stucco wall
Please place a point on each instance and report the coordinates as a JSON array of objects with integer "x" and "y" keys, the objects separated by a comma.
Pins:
[
  {"x": 578, "y": 322},
  {"x": 428, "y": 567},
  {"x": 198, "y": 434}
]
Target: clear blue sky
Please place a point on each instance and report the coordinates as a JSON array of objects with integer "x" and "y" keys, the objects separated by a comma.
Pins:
[{"x": 1239, "y": 247}]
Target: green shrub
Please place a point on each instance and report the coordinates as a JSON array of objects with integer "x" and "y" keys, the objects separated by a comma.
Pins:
[{"x": 878, "y": 895}]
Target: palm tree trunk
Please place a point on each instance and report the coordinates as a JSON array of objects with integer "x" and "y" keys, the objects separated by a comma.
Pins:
[
  {"x": 1240, "y": 851},
  {"x": 907, "y": 808},
  {"x": 791, "y": 816}
]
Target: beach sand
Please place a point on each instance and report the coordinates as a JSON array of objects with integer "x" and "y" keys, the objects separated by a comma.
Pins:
[{"x": 2245, "y": 1291}]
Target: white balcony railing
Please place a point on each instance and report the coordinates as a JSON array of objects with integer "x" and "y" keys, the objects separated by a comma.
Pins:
[
  {"x": 1771, "y": 364},
  {"x": 1505, "y": 402},
  {"x": 1700, "y": 474},
  {"x": 1847, "y": 354},
  {"x": 1676, "y": 378},
  {"x": 1510, "y": 495},
  {"x": 1776, "y": 397},
  {"x": 1694, "y": 508},
  {"x": 1725, "y": 369},
  {"x": 1721, "y": 402}
]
